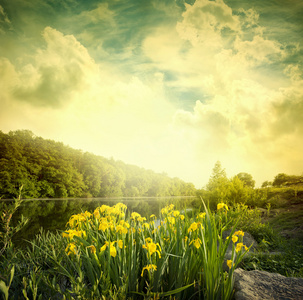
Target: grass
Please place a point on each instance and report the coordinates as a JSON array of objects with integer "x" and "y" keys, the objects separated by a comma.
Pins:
[
  {"x": 287, "y": 261},
  {"x": 286, "y": 246},
  {"x": 105, "y": 254}
]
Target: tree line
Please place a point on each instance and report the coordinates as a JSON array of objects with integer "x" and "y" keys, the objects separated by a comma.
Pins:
[
  {"x": 50, "y": 169},
  {"x": 241, "y": 188}
]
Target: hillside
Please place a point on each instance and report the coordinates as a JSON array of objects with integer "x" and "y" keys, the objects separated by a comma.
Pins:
[{"x": 49, "y": 169}]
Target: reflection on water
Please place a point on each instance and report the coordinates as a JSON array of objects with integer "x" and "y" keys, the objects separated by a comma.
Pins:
[{"x": 53, "y": 214}]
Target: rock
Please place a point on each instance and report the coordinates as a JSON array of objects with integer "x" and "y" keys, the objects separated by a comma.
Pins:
[{"x": 261, "y": 285}]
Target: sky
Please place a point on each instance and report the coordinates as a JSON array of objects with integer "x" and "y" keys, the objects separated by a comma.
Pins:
[{"x": 168, "y": 85}]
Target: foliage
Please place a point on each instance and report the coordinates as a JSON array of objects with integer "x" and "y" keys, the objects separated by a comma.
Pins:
[
  {"x": 221, "y": 189},
  {"x": 7, "y": 231},
  {"x": 49, "y": 169},
  {"x": 239, "y": 189},
  {"x": 287, "y": 180},
  {"x": 250, "y": 220},
  {"x": 247, "y": 179},
  {"x": 106, "y": 254},
  {"x": 288, "y": 262}
]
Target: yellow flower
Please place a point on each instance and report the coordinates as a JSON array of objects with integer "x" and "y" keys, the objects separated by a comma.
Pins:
[
  {"x": 92, "y": 249},
  {"x": 176, "y": 213},
  {"x": 151, "y": 247},
  {"x": 65, "y": 234},
  {"x": 103, "y": 226},
  {"x": 167, "y": 209},
  {"x": 113, "y": 251},
  {"x": 71, "y": 232},
  {"x": 222, "y": 205},
  {"x": 171, "y": 220},
  {"x": 152, "y": 216},
  {"x": 192, "y": 227},
  {"x": 120, "y": 244},
  {"x": 104, "y": 246},
  {"x": 146, "y": 225},
  {"x": 87, "y": 214},
  {"x": 229, "y": 263},
  {"x": 120, "y": 206},
  {"x": 181, "y": 217},
  {"x": 234, "y": 238},
  {"x": 121, "y": 229},
  {"x": 135, "y": 215},
  {"x": 201, "y": 215},
  {"x": 112, "y": 248},
  {"x": 149, "y": 268},
  {"x": 197, "y": 243},
  {"x": 71, "y": 249},
  {"x": 239, "y": 232},
  {"x": 125, "y": 224},
  {"x": 239, "y": 247}
]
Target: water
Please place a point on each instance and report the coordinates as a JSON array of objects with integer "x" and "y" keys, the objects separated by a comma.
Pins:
[{"x": 53, "y": 214}]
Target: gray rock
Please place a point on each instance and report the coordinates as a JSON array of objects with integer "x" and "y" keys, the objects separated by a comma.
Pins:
[{"x": 261, "y": 285}]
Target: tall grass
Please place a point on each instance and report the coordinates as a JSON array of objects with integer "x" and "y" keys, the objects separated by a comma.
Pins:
[{"x": 106, "y": 254}]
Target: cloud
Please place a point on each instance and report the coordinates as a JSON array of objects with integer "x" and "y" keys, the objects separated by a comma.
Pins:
[
  {"x": 204, "y": 21},
  {"x": 61, "y": 69},
  {"x": 258, "y": 51},
  {"x": 100, "y": 14},
  {"x": 5, "y": 22}
]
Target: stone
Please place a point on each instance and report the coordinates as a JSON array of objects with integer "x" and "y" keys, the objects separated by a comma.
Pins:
[{"x": 261, "y": 285}]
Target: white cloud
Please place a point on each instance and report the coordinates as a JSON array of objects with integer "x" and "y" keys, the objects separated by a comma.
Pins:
[
  {"x": 100, "y": 14},
  {"x": 258, "y": 51},
  {"x": 58, "y": 71},
  {"x": 204, "y": 20}
]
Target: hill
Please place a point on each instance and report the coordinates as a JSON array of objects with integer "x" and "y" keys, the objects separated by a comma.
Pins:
[{"x": 49, "y": 169}]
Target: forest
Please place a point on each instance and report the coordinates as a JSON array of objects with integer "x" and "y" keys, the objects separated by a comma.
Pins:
[{"x": 50, "y": 169}]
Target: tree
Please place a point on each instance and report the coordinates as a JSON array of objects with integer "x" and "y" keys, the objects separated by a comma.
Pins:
[
  {"x": 247, "y": 179},
  {"x": 218, "y": 177},
  {"x": 266, "y": 184},
  {"x": 280, "y": 179}
]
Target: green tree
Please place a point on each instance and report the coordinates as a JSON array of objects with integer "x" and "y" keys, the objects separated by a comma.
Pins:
[
  {"x": 280, "y": 179},
  {"x": 247, "y": 179},
  {"x": 266, "y": 184},
  {"x": 218, "y": 178}
]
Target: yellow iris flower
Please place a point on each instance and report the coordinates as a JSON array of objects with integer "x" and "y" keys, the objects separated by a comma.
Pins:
[
  {"x": 192, "y": 227},
  {"x": 222, "y": 205},
  {"x": 149, "y": 268},
  {"x": 229, "y": 263}
]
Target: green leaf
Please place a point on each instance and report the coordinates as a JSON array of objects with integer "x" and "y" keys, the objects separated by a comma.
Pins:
[
  {"x": 12, "y": 275},
  {"x": 4, "y": 289}
]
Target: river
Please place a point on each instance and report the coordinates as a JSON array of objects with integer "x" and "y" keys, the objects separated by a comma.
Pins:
[{"x": 53, "y": 214}]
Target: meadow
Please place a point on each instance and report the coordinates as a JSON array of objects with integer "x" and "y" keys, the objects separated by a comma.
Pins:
[{"x": 113, "y": 253}]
